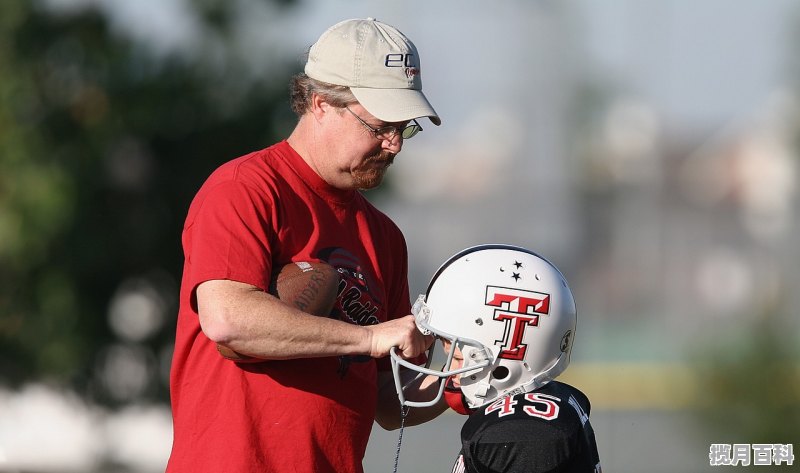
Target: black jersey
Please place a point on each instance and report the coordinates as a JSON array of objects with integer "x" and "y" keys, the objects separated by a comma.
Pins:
[{"x": 546, "y": 430}]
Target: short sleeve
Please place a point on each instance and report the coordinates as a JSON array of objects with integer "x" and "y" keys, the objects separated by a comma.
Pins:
[{"x": 228, "y": 235}]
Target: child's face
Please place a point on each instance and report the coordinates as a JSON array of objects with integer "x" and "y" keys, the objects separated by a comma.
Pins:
[{"x": 457, "y": 362}]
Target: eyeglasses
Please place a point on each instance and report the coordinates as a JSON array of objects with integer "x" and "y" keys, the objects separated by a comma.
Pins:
[{"x": 388, "y": 132}]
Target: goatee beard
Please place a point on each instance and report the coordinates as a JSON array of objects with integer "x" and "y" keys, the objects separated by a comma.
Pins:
[{"x": 369, "y": 175}]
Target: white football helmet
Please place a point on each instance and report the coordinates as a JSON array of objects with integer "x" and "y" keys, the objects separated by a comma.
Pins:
[{"x": 508, "y": 311}]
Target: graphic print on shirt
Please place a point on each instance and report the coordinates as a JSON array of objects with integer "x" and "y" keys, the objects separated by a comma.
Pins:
[{"x": 356, "y": 303}]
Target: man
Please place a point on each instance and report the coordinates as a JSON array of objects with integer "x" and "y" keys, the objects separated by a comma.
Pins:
[
  {"x": 310, "y": 405},
  {"x": 506, "y": 318}
]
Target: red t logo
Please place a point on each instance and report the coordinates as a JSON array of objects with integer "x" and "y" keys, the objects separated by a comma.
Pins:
[{"x": 518, "y": 309}]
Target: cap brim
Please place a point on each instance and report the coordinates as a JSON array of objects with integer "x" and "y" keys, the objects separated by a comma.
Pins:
[{"x": 396, "y": 105}]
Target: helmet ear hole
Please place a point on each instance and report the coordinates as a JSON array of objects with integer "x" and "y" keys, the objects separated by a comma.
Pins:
[{"x": 500, "y": 373}]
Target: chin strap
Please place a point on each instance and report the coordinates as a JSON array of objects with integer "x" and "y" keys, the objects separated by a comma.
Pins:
[
  {"x": 403, "y": 413},
  {"x": 455, "y": 398}
]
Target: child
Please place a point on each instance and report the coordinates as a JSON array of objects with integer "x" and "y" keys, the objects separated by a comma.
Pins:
[{"x": 506, "y": 319}]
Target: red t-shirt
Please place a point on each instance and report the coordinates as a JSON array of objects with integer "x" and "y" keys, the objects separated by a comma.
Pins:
[{"x": 253, "y": 214}]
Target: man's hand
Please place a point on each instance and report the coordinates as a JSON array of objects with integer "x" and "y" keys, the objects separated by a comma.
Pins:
[{"x": 401, "y": 333}]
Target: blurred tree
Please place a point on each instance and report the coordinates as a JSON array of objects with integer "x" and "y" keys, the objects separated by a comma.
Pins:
[
  {"x": 748, "y": 380},
  {"x": 102, "y": 146}
]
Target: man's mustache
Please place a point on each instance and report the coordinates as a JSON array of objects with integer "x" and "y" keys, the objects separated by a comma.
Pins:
[{"x": 383, "y": 157}]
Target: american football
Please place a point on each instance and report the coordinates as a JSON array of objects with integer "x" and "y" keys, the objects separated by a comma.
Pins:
[{"x": 309, "y": 286}]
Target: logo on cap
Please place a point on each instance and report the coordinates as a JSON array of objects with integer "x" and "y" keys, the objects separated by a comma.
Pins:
[{"x": 402, "y": 60}]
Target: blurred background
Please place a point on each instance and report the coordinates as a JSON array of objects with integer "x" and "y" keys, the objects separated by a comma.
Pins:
[{"x": 649, "y": 148}]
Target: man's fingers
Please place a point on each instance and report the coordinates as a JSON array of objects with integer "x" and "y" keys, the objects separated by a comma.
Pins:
[
  {"x": 419, "y": 344},
  {"x": 402, "y": 334}
]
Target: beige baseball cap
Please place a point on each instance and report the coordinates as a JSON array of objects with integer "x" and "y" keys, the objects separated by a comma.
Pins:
[{"x": 378, "y": 63}]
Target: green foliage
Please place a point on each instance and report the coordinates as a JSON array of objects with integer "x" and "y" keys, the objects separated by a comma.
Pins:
[
  {"x": 748, "y": 380},
  {"x": 102, "y": 147}
]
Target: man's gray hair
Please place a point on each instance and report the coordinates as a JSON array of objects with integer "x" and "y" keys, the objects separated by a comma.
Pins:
[{"x": 302, "y": 88}]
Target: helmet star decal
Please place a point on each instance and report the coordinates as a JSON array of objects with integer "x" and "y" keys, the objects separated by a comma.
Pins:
[{"x": 515, "y": 276}]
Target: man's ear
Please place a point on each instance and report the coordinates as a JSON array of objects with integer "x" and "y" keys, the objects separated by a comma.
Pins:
[{"x": 319, "y": 106}]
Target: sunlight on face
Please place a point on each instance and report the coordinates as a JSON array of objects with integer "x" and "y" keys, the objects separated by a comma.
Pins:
[
  {"x": 369, "y": 168},
  {"x": 457, "y": 362}
]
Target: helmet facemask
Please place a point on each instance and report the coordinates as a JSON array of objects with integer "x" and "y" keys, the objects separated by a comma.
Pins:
[{"x": 479, "y": 358}]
